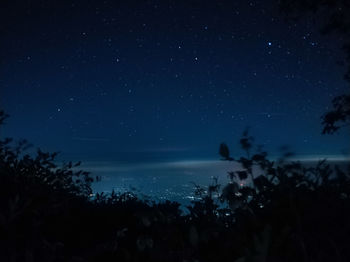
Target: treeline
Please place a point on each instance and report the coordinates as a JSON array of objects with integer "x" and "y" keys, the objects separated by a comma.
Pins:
[{"x": 287, "y": 212}]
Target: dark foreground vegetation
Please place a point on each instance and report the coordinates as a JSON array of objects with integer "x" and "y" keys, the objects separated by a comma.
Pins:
[{"x": 287, "y": 213}]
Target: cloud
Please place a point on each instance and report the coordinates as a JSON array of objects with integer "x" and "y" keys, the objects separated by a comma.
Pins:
[
  {"x": 187, "y": 165},
  {"x": 315, "y": 158}
]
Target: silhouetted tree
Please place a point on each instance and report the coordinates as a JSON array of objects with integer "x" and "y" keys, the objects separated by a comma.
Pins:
[
  {"x": 268, "y": 211},
  {"x": 224, "y": 152},
  {"x": 334, "y": 17},
  {"x": 339, "y": 116},
  {"x": 3, "y": 116},
  {"x": 288, "y": 211}
]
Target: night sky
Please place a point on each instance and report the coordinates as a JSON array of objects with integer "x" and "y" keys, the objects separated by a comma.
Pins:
[{"x": 165, "y": 80}]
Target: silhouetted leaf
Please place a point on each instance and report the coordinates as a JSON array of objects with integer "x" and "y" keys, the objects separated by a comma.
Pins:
[
  {"x": 242, "y": 174},
  {"x": 225, "y": 152}
]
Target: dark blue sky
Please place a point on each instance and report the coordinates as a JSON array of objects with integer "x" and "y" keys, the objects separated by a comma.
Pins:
[{"x": 148, "y": 80}]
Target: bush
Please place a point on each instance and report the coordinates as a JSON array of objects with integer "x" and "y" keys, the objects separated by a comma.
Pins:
[{"x": 284, "y": 212}]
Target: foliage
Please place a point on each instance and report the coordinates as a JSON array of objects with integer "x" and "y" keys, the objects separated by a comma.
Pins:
[
  {"x": 299, "y": 211},
  {"x": 3, "y": 116},
  {"x": 333, "y": 15},
  {"x": 339, "y": 114},
  {"x": 269, "y": 211}
]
